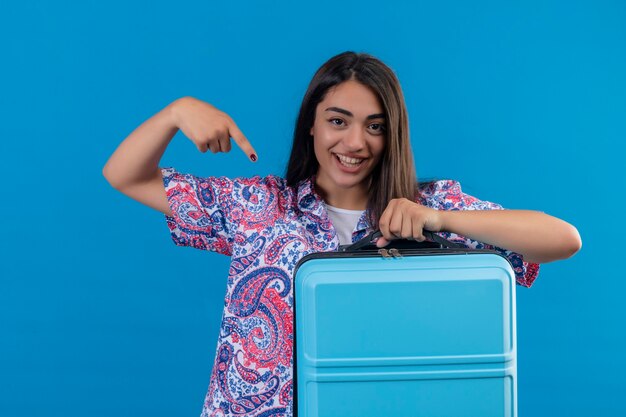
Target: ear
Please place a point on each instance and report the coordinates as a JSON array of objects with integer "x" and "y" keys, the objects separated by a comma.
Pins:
[{"x": 311, "y": 131}]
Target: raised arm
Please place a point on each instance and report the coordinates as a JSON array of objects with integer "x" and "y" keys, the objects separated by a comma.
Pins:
[
  {"x": 133, "y": 169},
  {"x": 537, "y": 236}
]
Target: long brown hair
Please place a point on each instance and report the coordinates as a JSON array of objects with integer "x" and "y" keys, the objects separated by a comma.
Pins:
[{"x": 394, "y": 177}]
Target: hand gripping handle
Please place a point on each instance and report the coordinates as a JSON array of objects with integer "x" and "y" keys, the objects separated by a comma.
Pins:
[{"x": 369, "y": 240}]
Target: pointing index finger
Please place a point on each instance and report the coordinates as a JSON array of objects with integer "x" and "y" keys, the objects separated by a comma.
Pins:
[{"x": 241, "y": 141}]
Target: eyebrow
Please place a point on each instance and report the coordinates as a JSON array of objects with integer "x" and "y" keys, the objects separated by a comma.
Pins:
[{"x": 348, "y": 113}]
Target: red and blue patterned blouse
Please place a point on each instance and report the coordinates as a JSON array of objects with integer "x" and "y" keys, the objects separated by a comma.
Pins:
[{"x": 266, "y": 227}]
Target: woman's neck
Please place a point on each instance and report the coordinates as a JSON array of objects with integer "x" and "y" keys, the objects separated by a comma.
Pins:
[{"x": 354, "y": 198}]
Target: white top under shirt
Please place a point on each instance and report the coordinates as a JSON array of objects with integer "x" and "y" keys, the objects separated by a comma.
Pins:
[{"x": 344, "y": 222}]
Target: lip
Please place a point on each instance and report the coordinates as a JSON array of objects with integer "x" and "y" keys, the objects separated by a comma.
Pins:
[
  {"x": 350, "y": 155},
  {"x": 349, "y": 170}
]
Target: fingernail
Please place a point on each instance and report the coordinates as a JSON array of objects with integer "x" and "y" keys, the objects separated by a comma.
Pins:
[{"x": 253, "y": 157}]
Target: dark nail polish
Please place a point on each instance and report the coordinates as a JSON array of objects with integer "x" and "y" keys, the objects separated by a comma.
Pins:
[{"x": 253, "y": 157}]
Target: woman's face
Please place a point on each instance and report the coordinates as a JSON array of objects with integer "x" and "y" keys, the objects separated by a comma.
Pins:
[{"x": 348, "y": 138}]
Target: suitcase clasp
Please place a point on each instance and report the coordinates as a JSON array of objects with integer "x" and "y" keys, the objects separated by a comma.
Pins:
[{"x": 389, "y": 253}]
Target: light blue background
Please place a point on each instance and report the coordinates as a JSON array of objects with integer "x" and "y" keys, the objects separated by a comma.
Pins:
[{"x": 101, "y": 315}]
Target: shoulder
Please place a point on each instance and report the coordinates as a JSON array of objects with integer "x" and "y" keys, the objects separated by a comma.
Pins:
[
  {"x": 225, "y": 190},
  {"x": 250, "y": 190},
  {"x": 448, "y": 195},
  {"x": 262, "y": 192},
  {"x": 266, "y": 182},
  {"x": 222, "y": 183},
  {"x": 270, "y": 184},
  {"x": 173, "y": 178},
  {"x": 439, "y": 187},
  {"x": 435, "y": 194}
]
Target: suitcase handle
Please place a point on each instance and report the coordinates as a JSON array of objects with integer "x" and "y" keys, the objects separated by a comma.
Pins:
[{"x": 432, "y": 237}]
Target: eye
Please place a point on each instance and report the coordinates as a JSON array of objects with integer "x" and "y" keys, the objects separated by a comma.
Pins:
[
  {"x": 337, "y": 122},
  {"x": 378, "y": 127}
]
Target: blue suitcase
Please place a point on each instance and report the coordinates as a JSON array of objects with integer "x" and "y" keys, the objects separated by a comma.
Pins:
[{"x": 405, "y": 332}]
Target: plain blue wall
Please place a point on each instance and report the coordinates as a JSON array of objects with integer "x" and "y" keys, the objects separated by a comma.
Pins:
[{"x": 101, "y": 315}]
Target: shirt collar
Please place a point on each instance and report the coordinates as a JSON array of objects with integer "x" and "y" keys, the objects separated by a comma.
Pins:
[
  {"x": 363, "y": 223},
  {"x": 310, "y": 201}
]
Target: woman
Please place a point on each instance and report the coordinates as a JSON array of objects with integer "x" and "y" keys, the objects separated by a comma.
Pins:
[{"x": 350, "y": 172}]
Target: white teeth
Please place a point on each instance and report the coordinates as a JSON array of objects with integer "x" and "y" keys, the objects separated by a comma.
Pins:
[{"x": 349, "y": 161}]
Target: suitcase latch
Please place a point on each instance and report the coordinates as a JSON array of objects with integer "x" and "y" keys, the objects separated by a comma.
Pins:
[{"x": 389, "y": 253}]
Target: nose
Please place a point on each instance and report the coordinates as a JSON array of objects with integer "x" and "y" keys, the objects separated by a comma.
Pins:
[{"x": 354, "y": 139}]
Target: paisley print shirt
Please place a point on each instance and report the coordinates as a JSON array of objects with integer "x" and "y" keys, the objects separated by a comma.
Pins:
[{"x": 266, "y": 227}]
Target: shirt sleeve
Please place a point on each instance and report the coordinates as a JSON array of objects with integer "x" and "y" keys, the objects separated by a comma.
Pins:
[
  {"x": 447, "y": 195},
  {"x": 201, "y": 211}
]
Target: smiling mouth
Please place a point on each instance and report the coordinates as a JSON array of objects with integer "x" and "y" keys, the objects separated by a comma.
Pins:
[{"x": 349, "y": 162}]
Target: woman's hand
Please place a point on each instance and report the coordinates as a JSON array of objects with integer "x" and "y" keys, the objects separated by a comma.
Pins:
[
  {"x": 134, "y": 169},
  {"x": 406, "y": 219},
  {"x": 209, "y": 128}
]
